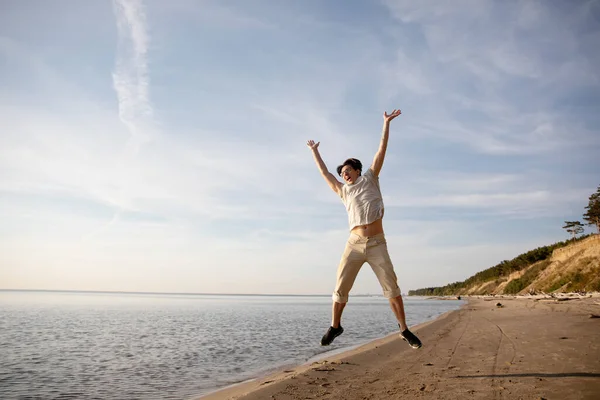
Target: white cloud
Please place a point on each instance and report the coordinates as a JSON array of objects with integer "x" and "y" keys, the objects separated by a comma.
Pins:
[
  {"x": 130, "y": 79},
  {"x": 478, "y": 60}
]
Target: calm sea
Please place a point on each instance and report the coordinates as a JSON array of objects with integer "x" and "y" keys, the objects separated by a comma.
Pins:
[{"x": 83, "y": 345}]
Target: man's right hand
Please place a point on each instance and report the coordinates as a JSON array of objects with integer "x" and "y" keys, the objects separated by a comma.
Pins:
[
  {"x": 312, "y": 144},
  {"x": 333, "y": 183}
]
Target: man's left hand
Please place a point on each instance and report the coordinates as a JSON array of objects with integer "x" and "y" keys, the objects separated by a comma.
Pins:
[{"x": 388, "y": 117}]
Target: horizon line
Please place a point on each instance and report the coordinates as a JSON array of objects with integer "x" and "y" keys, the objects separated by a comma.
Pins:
[{"x": 179, "y": 293}]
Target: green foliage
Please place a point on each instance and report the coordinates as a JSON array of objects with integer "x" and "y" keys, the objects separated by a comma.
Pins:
[
  {"x": 573, "y": 227},
  {"x": 501, "y": 270},
  {"x": 516, "y": 285},
  {"x": 559, "y": 283},
  {"x": 586, "y": 277},
  {"x": 592, "y": 215}
]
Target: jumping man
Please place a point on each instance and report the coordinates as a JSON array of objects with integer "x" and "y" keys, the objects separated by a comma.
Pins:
[{"x": 361, "y": 195}]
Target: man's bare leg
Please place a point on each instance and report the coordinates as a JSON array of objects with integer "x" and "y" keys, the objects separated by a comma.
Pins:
[
  {"x": 336, "y": 313},
  {"x": 335, "y": 329},
  {"x": 398, "y": 307}
]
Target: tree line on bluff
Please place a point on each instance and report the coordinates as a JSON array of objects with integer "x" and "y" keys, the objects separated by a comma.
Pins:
[{"x": 505, "y": 268}]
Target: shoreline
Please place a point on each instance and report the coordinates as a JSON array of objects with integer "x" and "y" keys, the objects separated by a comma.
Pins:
[
  {"x": 544, "y": 346},
  {"x": 239, "y": 389}
]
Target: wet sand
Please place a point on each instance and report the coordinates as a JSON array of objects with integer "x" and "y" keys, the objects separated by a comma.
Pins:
[{"x": 525, "y": 349}]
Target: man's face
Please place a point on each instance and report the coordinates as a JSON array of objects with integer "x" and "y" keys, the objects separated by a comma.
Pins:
[{"x": 349, "y": 174}]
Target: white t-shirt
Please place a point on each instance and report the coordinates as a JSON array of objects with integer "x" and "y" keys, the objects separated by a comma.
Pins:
[{"x": 363, "y": 200}]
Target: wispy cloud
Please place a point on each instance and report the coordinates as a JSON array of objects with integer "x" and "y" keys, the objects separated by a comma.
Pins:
[
  {"x": 131, "y": 82},
  {"x": 497, "y": 70},
  {"x": 130, "y": 78}
]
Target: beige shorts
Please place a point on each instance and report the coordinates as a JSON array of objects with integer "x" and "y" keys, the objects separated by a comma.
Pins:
[{"x": 359, "y": 250}]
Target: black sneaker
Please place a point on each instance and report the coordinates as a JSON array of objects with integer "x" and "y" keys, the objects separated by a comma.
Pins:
[
  {"x": 331, "y": 334},
  {"x": 412, "y": 340}
]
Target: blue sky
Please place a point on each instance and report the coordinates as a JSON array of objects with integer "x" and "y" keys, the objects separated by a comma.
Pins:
[{"x": 160, "y": 146}]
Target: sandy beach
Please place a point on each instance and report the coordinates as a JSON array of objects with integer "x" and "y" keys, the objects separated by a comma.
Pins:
[{"x": 526, "y": 348}]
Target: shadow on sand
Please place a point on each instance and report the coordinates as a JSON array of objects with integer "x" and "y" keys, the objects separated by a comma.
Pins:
[{"x": 537, "y": 375}]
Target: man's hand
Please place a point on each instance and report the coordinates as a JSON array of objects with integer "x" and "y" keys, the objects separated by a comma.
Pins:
[
  {"x": 380, "y": 155},
  {"x": 312, "y": 144},
  {"x": 333, "y": 183},
  {"x": 389, "y": 117}
]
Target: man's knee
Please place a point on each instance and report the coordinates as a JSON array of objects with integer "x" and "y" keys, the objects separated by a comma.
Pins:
[
  {"x": 392, "y": 293},
  {"x": 339, "y": 297}
]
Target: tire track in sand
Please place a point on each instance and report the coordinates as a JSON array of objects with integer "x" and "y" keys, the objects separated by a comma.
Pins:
[
  {"x": 460, "y": 337},
  {"x": 503, "y": 337}
]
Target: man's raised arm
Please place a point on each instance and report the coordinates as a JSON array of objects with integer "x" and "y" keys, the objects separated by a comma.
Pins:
[
  {"x": 333, "y": 183},
  {"x": 380, "y": 155}
]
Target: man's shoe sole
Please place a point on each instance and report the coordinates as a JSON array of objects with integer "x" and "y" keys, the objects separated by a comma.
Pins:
[{"x": 412, "y": 345}]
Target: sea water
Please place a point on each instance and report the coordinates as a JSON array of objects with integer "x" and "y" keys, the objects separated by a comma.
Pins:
[{"x": 90, "y": 345}]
